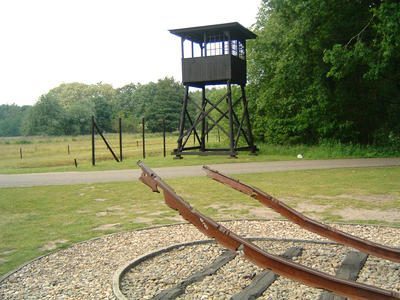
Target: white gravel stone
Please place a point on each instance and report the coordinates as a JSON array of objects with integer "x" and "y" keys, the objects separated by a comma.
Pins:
[{"x": 85, "y": 270}]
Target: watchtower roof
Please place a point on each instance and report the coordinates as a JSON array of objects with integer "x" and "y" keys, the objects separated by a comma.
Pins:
[{"x": 196, "y": 34}]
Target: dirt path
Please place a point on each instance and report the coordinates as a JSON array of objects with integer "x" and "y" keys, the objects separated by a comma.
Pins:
[{"x": 63, "y": 178}]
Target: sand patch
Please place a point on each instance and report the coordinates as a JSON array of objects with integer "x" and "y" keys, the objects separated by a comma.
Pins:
[
  {"x": 176, "y": 219},
  {"x": 224, "y": 207},
  {"x": 264, "y": 212},
  {"x": 368, "y": 198},
  {"x": 89, "y": 187},
  {"x": 255, "y": 212},
  {"x": 348, "y": 214},
  {"x": 107, "y": 227},
  {"x": 3, "y": 261},
  {"x": 142, "y": 220},
  {"x": 217, "y": 206},
  {"x": 101, "y": 214},
  {"x": 114, "y": 208},
  {"x": 52, "y": 245},
  {"x": 7, "y": 252},
  {"x": 228, "y": 212},
  {"x": 156, "y": 213},
  {"x": 311, "y": 208},
  {"x": 290, "y": 199}
]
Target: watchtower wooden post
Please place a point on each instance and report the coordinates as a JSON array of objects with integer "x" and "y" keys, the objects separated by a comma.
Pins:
[{"x": 214, "y": 55}]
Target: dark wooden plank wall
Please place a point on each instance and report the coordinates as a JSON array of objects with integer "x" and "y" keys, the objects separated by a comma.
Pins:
[{"x": 214, "y": 70}]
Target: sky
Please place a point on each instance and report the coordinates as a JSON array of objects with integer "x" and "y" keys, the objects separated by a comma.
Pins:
[{"x": 45, "y": 43}]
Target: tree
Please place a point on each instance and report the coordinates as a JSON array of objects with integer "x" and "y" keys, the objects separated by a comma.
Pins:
[
  {"x": 164, "y": 103},
  {"x": 47, "y": 117},
  {"x": 11, "y": 118},
  {"x": 306, "y": 87},
  {"x": 125, "y": 107},
  {"x": 97, "y": 100},
  {"x": 154, "y": 101},
  {"x": 68, "y": 108},
  {"x": 104, "y": 97},
  {"x": 368, "y": 63}
]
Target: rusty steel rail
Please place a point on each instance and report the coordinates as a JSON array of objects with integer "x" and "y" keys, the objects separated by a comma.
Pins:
[
  {"x": 255, "y": 254},
  {"x": 331, "y": 233}
]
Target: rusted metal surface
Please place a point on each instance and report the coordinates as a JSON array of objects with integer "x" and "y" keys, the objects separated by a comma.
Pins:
[
  {"x": 331, "y": 233},
  {"x": 255, "y": 254}
]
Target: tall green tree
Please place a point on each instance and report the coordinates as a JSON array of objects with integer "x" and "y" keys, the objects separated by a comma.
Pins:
[
  {"x": 164, "y": 105},
  {"x": 309, "y": 77},
  {"x": 365, "y": 68},
  {"x": 11, "y": 119},
  {"x": 125, "y": 107},
  {"x": 67, "y": 109},
  {"x": 155, "y": 101},
  {"x": 47, "y": 117}
]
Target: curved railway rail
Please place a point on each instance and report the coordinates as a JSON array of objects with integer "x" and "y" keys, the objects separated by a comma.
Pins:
[
  {"x": 331, "y": 233},
  {"x": 255, "y": 254}
]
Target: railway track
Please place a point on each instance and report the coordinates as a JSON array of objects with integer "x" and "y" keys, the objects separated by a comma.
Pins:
[
  {"x": 341, "y": 237},
  {"x": 207, "y": 271},
  {"x": 345, "y": 287}
]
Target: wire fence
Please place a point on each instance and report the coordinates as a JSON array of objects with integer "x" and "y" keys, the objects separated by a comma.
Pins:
[
  {"x": 46, "y": 151},
  {"x": 32, "y": 152}
]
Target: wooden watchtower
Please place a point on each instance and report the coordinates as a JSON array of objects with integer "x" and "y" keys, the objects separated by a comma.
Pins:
[{"x": 214, "y": 55}]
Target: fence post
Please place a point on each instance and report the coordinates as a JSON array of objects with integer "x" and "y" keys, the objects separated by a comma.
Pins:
[
  {"x": 69, "y": 152},
  {"x": 164, "y": 146},
  {"x": 93, "y": 150},
  {"x": 120, "y": 139},
  {"x": 143, "y": 139},
  {"x": 105, "y": 142},
  {"x": 20, "y": 152},
  {"x": 207, "y": 131}
]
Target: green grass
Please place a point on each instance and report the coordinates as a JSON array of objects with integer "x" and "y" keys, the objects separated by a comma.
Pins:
[
  {"x": 31, "y": 218},
  {"x": 49, "y": 154}
]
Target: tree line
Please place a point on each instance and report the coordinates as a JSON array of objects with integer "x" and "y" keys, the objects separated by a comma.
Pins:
[
  {"x": 319, "y": 70},
  {"x": 326, "y": 70},
  {"x": 68, "y": 108}
]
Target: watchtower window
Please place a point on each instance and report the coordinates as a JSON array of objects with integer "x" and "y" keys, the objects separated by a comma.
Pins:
[
  {"x": 214, "y": 40},
  {"x": 238, "y": 49},
  {"x": 215, "y": 45},
  {"x": 191, "y": 49}
]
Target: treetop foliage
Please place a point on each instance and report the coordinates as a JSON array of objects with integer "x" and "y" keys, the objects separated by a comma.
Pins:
[
  {"x": 11, "y": 117},
  {"x": 326, "y": 69},
  {"x": 67, "y": 109}
]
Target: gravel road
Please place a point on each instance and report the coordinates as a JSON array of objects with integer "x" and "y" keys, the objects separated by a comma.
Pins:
[{"x": 65, "y": 178}]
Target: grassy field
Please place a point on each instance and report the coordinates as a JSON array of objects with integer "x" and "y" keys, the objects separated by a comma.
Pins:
[
  {"x": 37, "y": 220},
  {"x": 50, "y": 154},
  {"x": 41, "y": 154}
]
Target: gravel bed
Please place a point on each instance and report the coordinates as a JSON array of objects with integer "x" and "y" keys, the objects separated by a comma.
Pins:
[
  {"x": 85, "y": 270},
  {"x": 382, "y": 273},
  {"x": 228, "y": 280},
  {"x": 166, "y": 270},
  {"x": 325, "y": 258}
]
